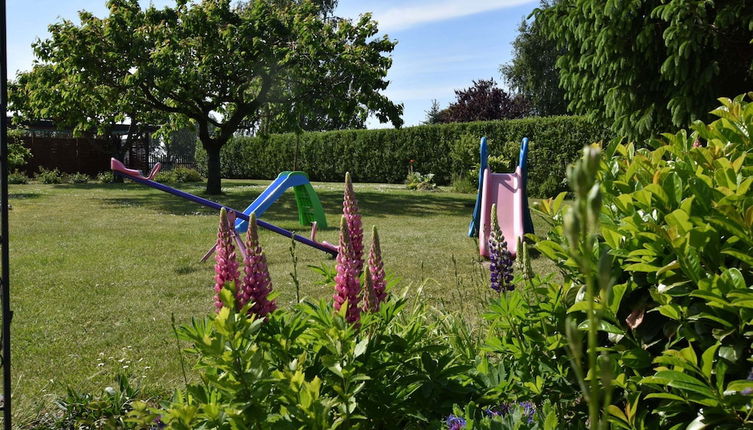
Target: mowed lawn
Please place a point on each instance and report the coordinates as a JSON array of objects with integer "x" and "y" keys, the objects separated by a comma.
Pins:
[{"x": 98, "y": 271}]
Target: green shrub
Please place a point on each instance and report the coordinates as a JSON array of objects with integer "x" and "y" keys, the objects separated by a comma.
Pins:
[
  {"x": 672, "y": 261},
  {"x": 179, "y": 175},
  {"x": 384, "y": 155},
  {"x": 18, "y": 152},
  {"x": 77, "y": 178},
  {"x": 106, "y": 409},
  {"x": 463, "y": 184},
  {"x": 419, "y": 181},
  {"x": 307, "y": 367},
  {"x": 17, "y": 177},
  {"x": 105, "y": 177},
  {"x": 49, "y": 176}
]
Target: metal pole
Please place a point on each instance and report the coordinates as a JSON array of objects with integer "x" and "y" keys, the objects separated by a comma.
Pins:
[
  {"x": 7, "y": 315},
  {"x": 239, "y": 214}
]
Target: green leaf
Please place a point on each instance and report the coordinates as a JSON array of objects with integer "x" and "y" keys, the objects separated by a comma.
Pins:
[
  {"x": 602, "y": 326},
  {"x": 739, "y": 386},
  {"x": 361, "y": 347},
  {"x": 707, "y": 360},
  {"x": 745, "y": 258},
  {"x": 681, "y": 381},
  {"x": 672, "y": 186},
  {"x": 642, "y": 267}
]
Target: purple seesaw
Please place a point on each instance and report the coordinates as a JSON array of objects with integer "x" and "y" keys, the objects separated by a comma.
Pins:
[{"x": 136, "y": 176}]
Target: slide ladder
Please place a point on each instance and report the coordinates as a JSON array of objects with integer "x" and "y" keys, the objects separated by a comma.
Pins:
[{"x": 309, "y": 207}]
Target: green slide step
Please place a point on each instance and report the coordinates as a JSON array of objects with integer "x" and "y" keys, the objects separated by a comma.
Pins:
[{"x": 309, "y": 206}]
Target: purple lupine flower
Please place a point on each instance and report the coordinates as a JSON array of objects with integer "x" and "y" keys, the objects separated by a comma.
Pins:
[
  {"x": 376, "y": 273},
  {"x": 529, "y": 410},
  {"x": 256, "y": 285},
  {"x": 225, "y": 266},
  {"x": 455, "y": 423},
  {"x": 347, "y": 285},
  {"x": 353, "y": 218},
  {"x": 500, "y": 258}
]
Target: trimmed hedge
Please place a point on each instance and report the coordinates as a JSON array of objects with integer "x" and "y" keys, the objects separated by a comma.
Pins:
[{"x": 384, "y": 155}]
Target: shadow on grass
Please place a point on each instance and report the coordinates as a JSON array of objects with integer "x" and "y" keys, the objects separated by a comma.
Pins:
[
  {"x": 22, "y": 196},
  {"x": 372, "y": 204}
]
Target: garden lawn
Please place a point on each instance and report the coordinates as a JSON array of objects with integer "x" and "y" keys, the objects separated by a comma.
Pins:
[{"x": 97, "y": 272}]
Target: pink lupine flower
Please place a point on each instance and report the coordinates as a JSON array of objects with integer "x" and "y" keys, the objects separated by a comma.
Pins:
[
  {"x": 256, "y": 285},
  {"x": 226, "y": 266},
  {"x": 375, "y": 272},
  {"x": 353, "y": 218},
  {"x": 347, "y": 285}
]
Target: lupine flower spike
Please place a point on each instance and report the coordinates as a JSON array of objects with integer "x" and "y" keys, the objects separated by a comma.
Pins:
[
  {"x": 376, "y": 268},
  {"x": 353, "y": 218},
  {"x": 226, "y": 266},
  {"x": 499, "y": 256},
  {"x": 347, "y": 285},
  {"x": 370, "y": 302},
  {"x": 256, "y": 285}
]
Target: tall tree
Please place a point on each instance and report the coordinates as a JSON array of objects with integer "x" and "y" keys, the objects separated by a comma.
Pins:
[
  {"x": 646, "y": 66},
  {"x": 218, "y": 64},
  {"x": 434, "y": 114},
  {"x": 533, "y": 72},
  {"x": 49, "y": 92},
  {"x": 484, "y": 101}
]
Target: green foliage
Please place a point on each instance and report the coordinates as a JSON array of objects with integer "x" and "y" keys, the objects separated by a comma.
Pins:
[
  {"x": 18, "y": 153},
  {"x": 648, "y": 66},
  {"x": 215, "y": 64},
  {"x": 384, "y": 155},
  {"x": 308, "y": 368},
  {"x": 17, "y": 177},
  {"x": 105, "y": 178},
  {"x": 530, "y": 321},
  {"x": 179, "y": 175},
  {"x": 462, "y": 184},
  {"x": 77, "y": 178},
  {"x": 106, "y": 409},
  {"x": 532, "y": 71},
  {"x": 420, "y": 181},
  {"x": 49, "y": 176},
  {"x": 674, "y": 243},
  {"x": 515, "y": 416}
]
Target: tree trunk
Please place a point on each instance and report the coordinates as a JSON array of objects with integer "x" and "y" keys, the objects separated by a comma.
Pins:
[
  {"x": 119, "y": 154},
  {"x": 214, "y": 182}
]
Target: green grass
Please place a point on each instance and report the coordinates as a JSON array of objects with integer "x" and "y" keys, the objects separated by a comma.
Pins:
[{"x": 98, "y": 270}]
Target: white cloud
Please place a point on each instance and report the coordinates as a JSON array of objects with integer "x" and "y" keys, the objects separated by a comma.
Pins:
[{"x": 402, "y": 17}]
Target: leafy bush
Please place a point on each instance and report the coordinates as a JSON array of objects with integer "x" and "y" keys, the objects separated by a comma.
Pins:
[
  {"x": 446, "y": 149},
  {"x": 17, "y": 177},
  {"x": 18, "y": 153},
  {"x": 307, "y": 367},
  {"x": 179, "y": 175},
  {"x": 105, "y": 177},
  {"x": 462, "y": 184},
  {"x": 77, "y": 178},
  {"x": 106, "y": 409},
  {"x": 674, "y": 269},
  {"x": 49, "y": 176},
  {"x": 419, "y": 181}
]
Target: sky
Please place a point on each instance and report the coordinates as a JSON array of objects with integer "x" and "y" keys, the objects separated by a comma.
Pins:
[{"x": 443, "y": 45}]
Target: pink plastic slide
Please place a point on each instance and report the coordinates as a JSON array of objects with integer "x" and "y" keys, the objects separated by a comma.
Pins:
[{"x": 506, "y": 190}]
